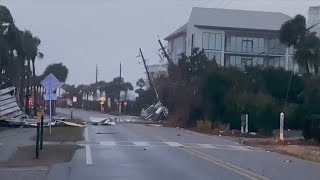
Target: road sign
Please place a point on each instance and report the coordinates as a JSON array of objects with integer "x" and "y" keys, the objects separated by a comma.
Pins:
[
  {"x": 102, "y": 98},
  {"x": 74, "y": 99},
  {"x": 50, "y": 83},
  {"x": 47, "y": 97},
  {"x": 125, "y": 103}
]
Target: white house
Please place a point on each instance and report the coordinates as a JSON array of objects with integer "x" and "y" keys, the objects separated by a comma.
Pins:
[
  {"x": 233, "y": 38},
  {"x": 314, "y": 17}
]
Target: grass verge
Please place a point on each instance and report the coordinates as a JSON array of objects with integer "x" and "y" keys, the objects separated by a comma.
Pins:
[
  {"x": 51, "y": 154},
  {"x": 310, "y": 153},
  {"x": 62, "y": 134}
]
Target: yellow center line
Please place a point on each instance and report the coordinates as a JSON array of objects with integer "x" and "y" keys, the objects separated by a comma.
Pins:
[
  {"x": 226, "y": 165},
  {"x": 243, "y": 172}
]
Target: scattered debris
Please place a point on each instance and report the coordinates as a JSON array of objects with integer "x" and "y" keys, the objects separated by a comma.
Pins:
[
  {"x": 155, "y": 112},
  {"x": 219, "y": 134},
  {"x": 178, "y": 135},
  {"x": 9, "y": 109},
  {"x": 105, "y": 133},
  {"x": 253, "y": 133},
  {"x": 144, "y": 149},
  {"x": 103, "y": 121},
  {"x": 287, "y": 161},
  {"x": 73, "y": 124}
]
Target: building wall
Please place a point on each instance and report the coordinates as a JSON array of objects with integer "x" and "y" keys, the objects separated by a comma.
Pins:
[
  {"x": 314, "y": 16},
  {"x": 177, "y": 46},
  {"x": 267, "y": 53}
]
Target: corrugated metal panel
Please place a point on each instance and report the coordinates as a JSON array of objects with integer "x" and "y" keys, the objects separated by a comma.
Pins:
[{"x": 8, "y": 104}]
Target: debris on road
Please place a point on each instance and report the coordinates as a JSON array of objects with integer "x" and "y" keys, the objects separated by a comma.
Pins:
[
  {"x": 102, "y": 121},
  {"x": 155, "y": 112},
  {"x": 9, "y": 109}
]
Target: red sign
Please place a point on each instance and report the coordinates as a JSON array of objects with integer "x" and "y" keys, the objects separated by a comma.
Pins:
[{"x": 125, "y": 103}]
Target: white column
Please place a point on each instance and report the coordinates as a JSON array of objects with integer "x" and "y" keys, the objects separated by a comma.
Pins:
[{"x": 287, "y": 59}]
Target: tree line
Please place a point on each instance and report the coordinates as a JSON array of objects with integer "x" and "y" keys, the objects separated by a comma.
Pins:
[{"x": 19, "y": 49}]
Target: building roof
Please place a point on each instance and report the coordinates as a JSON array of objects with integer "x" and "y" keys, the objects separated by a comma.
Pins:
[
  {"x": 230, "y": 18},
  {"x": 178, "y": 32}
]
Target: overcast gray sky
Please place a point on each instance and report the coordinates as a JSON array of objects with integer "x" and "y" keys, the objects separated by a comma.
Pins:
[{"x": 83, "y": 33}]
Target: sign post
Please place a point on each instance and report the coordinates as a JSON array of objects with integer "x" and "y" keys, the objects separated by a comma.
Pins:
[
  {"x": 41, "y": 133},
  {"x": 50, "y": 83},
  {"x": 281, "y": 125},
  {"x": 38, "y": 120},
  {"x": 125, "y": 107}
]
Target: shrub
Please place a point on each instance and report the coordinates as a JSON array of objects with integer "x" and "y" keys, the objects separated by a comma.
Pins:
[
  {"x": 204, "y": 125},
  {"x": 311, "y": 129}
]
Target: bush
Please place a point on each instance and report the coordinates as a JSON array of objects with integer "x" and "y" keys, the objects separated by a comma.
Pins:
[
  {"x": 311, "y": 129},
  {"x": 204, "y": 125}
]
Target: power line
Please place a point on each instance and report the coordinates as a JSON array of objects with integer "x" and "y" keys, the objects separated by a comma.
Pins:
[
  {"x": 220, "y": 3},
  {"x": 314, "y": 25},
  {"x": 227, "y": 4}
]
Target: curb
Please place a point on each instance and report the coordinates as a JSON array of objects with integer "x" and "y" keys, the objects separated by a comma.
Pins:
[{"x": 36, "y": 168}]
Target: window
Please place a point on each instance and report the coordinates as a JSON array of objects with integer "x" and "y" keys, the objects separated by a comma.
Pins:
[
  {"x": 228, "y": 43},
  {"x": 214, "y": 56},
  {"x": 233, "y": 43},
  {"x": 282, "y": 62},
  {"x": 261, "y": 45},
  {"x": 290, "y": 64},
  {"x": 218, "y": 42},
  {"x": 239, "y": 45},
  {"x": 255, "y": 45},
  {"x": 247, "y": 46},
  {"x": 205, "y": 41},
  {"x": 212, "y": 41}
]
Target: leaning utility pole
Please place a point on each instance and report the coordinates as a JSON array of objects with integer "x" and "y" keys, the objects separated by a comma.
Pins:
[
  {"x": 148, "y": 74},
  {"x": 96, "y": 73},
  {"x": 164, "y": 51},
  {"x": 119, "y": 102}
]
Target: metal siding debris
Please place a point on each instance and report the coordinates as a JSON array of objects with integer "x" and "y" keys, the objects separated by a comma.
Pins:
[{"x": 8, "y": 105}]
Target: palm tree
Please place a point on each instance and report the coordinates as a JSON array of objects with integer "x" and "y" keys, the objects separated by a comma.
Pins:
[
  {"x": 295, "y": 33},
  {"x": 127, "y": 86}
]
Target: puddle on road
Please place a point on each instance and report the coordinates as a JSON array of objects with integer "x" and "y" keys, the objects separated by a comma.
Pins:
[{"x": 105, "y": 133}]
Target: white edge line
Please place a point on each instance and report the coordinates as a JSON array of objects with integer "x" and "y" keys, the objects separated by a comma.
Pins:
[
  {"x": 88, "y": 155},
  {"x": 212, "y": 136}
]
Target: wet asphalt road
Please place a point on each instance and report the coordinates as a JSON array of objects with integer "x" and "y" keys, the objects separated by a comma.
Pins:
[{"x": 140, "y": 152}]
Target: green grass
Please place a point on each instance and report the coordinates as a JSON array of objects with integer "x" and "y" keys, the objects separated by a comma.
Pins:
[
  {"x": 63, "y": 134},
  {"x": 51, "y": 154}
]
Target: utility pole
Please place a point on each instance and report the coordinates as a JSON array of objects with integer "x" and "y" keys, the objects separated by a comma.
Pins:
[
  {"x": 96, "y": 73},
  {"x": 164, "y": 51},
  {"x": 119, "y": 102},
  {"x": 148, "y": 74}
]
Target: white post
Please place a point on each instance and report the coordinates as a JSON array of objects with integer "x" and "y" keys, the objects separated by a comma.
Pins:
[
  {"x": 243, "y": 121},
  {"x": 247, "y": 123},
  {"x": 50, "y": 107},
  {"x": 281, "y": 125}
]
